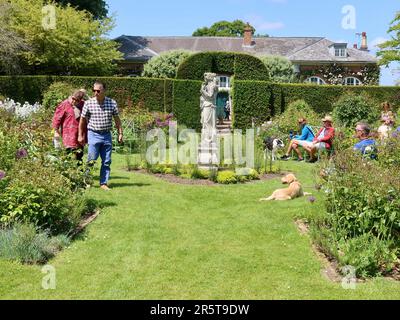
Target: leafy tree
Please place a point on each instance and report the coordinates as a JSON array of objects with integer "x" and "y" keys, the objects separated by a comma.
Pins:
[
  {"x": 391, "y": 49},
  {"x": 165, "y": 65},
  {"x": 280, "y": 68},
  {"x": 223, "y": 29},
  {"x": 11, "y": 44},
  {"x": 77, "y": 45},
  {"x": 96, "y": 7}
]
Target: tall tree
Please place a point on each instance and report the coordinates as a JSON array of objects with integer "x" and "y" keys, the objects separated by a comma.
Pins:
[
  {"x": 11, "y": 44},
  {"x": 391, "y": 49},
  {"x": 76, "y": 44},
  {"x": 223, "y": 29},
  {"x": 98, "y": 8}
]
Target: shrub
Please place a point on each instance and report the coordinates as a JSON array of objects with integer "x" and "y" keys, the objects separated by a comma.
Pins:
[
  {"x": 39, "y": 194},
  {"x": 56, "y": 93},
  {"x": 226, "y": 177},
  {"x": 28, "y": 244},
  {"x": 288, "y": 121},
  {"x": 165, "y": 65},
  {"x": 280, "y": 68},
  {"x": 362, "y": 223},
  {"x": 370, "y": 255},
  {"x": 350, "y": 109}
]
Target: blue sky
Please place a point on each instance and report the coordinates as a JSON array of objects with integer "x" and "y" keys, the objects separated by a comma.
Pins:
[{"x": 283, "y": 18}]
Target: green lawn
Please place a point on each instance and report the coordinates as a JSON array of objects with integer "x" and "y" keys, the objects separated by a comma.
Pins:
[{"x": 156, "y": 240}]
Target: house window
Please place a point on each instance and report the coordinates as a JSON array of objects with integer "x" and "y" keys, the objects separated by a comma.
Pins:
[
  {"x": 224, "y": 82},
  {"x": 351, "y": 81},
  {"x": 340, "y": 52},
  {"x": 315, "y": 80}
]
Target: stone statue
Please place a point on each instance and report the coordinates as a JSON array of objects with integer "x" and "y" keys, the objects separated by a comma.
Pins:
[{"x": 209, "y": 91}]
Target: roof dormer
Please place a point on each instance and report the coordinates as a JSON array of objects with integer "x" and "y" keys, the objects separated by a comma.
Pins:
[{"x": 338, "y": 50}]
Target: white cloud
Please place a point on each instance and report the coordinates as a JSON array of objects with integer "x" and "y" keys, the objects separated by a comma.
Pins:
[
  {"x": 374, "y": 43},
  {"x": 261, "y": 25}
]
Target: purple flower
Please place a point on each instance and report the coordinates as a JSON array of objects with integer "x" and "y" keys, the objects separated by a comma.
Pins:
[
  {"x": 169, "y": 116},
  {"x": 22, "y": 153},
  {"x": 2, "y": 174},
  {"x": 311, "y": 199},
  {"x": 395, "y": 134}
]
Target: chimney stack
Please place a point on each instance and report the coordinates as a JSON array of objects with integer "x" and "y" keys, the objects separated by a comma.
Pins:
[
  {"x": 364, "y": 43},
  {"x": 248, "y": 36}
]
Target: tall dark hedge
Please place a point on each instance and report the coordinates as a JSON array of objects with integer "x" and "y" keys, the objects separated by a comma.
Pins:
[
  {"x": 243, "y": 66},
  {"x": 186, "y": 103}
]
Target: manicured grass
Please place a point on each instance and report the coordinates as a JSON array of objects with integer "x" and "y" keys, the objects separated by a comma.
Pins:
[{"x": 155, "y": 240}]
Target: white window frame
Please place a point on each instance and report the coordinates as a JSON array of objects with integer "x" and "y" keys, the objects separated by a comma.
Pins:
[
  {"x": 227, "y": 82},
  {"x": 340, "y": 52},
  {"x": 356, "y": 81},
  {"x": 318, "y": 81}
]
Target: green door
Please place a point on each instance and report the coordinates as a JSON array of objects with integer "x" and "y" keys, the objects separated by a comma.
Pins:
[{"x": 222, "y": 97}]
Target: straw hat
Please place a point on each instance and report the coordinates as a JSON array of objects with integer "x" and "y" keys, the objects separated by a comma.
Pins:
[{"x": 327, "y": 119}]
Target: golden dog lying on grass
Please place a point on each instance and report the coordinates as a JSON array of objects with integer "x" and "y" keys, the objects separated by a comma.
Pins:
[{"x": 293, "y": 191}]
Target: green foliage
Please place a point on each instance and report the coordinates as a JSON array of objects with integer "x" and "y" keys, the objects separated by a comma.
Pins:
[
  {"x": 28, "y": 244},
  {"x": 243, "y": 66},
  {"x": 362, "y": 224},
  {"x": 96, "y": 7},
  {"x": 288, "y": 121},
  {"x": 390, "y": 49},
  {"x": 371, "y": 256},
  {"x": 186, "y": 103},
  {"x": 11, "y": 43},
  {"x": 223, "y": 29},
  {"x": 280, "y": 68},
  {"x": 77, "y": 45},
  {"x": 226, "y": 177},
  {"x": 56, "y": 93},
  {"x": 165, "y": 65},
  {"x": 350, "y": 109},
  {"x": 39, "y": 194},
  {"x": 250, "y": 103}
]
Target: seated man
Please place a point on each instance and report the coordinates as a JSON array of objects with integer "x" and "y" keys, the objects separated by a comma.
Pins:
[
  {"x": 323, "y": 139},
  {"x": 365, "y": 144},
  {"x": 307, "y": 135}
]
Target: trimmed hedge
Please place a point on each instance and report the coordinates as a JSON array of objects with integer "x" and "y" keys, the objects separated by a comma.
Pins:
[
  {"x": 154, "y": 94},
  {"x": 260, "y": 99},
  {"x": 186, "y": 103},
  {"x": 243, "y": 66},
  {"x": 250, "y": 100}
]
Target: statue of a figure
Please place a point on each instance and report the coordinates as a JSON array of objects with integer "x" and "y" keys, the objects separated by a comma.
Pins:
[{"x": 209, "y": 91}]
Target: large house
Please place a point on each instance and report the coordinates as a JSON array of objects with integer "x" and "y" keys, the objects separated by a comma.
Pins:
[{"x": 316, "y": 59}]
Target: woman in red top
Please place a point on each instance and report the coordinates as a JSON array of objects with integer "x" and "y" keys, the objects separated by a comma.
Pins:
[
  {"x": 323, "y": 139},
  {"x": 66, "y": 118}
]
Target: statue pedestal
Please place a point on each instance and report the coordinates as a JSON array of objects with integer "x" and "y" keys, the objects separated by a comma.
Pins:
[{"x": 208, "y": 152}]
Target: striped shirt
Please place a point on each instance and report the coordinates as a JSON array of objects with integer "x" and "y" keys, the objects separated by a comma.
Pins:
[{"x": 99, "y": 117}]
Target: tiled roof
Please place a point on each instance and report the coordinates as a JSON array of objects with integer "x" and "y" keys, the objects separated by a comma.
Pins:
[{"x": 299, "y": 49}]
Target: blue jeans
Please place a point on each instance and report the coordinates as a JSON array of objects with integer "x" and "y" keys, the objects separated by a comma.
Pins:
[{"x": 100, "y": 144}]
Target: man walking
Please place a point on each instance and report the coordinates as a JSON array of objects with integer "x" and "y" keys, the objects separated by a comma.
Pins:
[{"x": 97, "y": 114}]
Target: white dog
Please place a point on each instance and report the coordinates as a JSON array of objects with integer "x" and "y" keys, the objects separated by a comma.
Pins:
[{"x": 272, "y": 145}]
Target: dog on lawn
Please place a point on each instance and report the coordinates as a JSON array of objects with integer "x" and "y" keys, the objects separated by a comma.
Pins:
[
  {"x": 293, "y": 191},
  {"x": 272, "y": 145}
]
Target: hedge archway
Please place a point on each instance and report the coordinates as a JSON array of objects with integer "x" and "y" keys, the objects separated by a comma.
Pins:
[{"x": 242, "y": 66}]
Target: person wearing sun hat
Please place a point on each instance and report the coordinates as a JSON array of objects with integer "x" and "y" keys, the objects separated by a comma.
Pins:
[{"x": 323, "y": 139}]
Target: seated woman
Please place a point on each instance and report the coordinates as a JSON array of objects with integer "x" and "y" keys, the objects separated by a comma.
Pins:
[
  {"x": 307, "y": 135},
  {"x": 323, "y": 139},
  {"x": 386, "y": 127}
]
